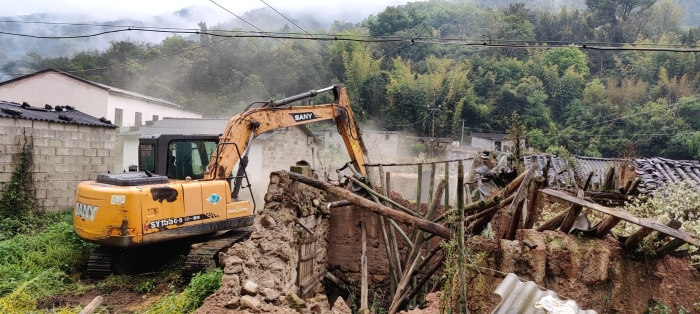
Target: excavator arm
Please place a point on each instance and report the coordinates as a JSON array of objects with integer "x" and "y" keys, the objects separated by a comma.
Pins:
[{"x": 245, "y": 126}]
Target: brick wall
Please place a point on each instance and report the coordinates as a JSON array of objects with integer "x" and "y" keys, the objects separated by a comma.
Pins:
[{"x": 64, "y": 155}]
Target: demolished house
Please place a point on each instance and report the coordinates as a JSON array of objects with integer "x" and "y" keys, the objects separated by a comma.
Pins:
[{"x": 511, "y": 242}]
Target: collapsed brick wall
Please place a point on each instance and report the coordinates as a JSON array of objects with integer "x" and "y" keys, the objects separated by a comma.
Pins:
[
  {"x": 64, "y": 155},
  {"x": 260, "y": 274}
]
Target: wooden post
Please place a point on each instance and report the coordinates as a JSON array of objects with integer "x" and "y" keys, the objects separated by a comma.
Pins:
[
  {"x": 460, "y": 239},
  {"x": 545, "y": 172},
  {"x": 609, "y": 179},
  {"x": 553, "y": 223},
  {"x": 447, "y": 186},
  {"x": 433, "y": 167},
  {"x": 627, "y": 186},
  {"x": 670, "y": 246},
  {"x": 93, "y": 305},
  {"x": 637, "y": 237},
  {"x": 514, "y": 207},
  {"x": 634, "y": 186},
  {"x": 419, "y": 189},
  {"x": 364, "y": 304},
  {"x": 588, "y": 181},
  {"x": 385, "y": 236},
  {"x": 532, "y": 202},
  {"x": 608, "y": 224},
  {"x": 404, "y": 218}
]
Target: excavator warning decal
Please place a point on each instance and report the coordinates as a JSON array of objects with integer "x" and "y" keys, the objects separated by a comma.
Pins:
[
  {"x": 303, "y": 116},
  {"x": 160, "y": 224}
]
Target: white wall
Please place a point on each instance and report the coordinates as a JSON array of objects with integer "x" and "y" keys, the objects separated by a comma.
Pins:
[
  {"x": 129, "y": 154},
  {"x": 57, "y": 90},
  {"x": 147, "y": 109}
]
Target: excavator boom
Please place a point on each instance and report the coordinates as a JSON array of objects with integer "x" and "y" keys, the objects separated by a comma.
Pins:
[{"x": 243, "y": 127}]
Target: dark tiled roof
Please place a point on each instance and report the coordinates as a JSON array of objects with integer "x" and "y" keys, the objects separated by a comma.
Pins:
[
  {"x": 560, "y": 172},
  {"x": 66, "y": 115},
  {"x": 655, "y": 172}
]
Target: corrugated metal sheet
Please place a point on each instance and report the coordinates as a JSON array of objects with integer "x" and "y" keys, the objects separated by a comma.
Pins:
[
  {"x": 520, "y": 297},
  {"x": 66, "y": 115}
]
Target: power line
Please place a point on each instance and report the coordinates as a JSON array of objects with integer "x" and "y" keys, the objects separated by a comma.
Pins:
[{"x": 295, "y": 24}]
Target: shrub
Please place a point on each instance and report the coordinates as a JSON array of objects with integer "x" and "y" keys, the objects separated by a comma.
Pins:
[{"x": 201, "y": 286}]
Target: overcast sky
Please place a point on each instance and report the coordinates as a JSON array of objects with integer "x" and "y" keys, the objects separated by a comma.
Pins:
[{"x": 112, "y": 9}]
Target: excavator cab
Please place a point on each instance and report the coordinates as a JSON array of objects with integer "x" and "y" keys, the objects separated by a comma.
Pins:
[{"x": 176, "y": 156}]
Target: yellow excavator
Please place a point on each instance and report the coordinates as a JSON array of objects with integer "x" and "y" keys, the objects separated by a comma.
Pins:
[{"x": 123, "y": 212}]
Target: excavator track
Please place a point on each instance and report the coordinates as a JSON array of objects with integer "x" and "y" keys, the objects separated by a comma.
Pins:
[
  {"x": 100, "y": 262},
  {"x": 204, "y": 256}
]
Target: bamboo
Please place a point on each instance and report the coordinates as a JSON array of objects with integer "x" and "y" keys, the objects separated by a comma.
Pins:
[
  {"x": 382, "y": 197},
  {"x": 431, "y": 186},
  {"x": 340, "y": 203},
  {"x": 425, "y": 279},
  {"x": 403, "y": 235},
  {"x": 447, "y": 186},
  {"x": 385, "y": 237},
  {"x": 460, "y": 240},
  {"x": 377, "y": 208},
  {"x": 392, "y": 234},
  {"x": 398, "y": 296},
  {"x": 419, "y": 190},
  {"x": 419, "y": 238},
  {"x": 364, "y": 290}
]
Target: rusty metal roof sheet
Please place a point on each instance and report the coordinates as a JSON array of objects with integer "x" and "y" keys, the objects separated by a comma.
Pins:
[
  {"x": 520, "y": 297},
  {"x": 66, "y": 115}
]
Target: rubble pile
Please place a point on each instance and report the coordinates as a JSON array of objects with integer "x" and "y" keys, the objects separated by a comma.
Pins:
[{"x": 261, "y": 273}]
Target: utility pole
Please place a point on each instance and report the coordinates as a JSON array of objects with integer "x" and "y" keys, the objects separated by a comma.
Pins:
[
  {"x": 461, "y": 142},
  {"x": 432, "y": 132}
]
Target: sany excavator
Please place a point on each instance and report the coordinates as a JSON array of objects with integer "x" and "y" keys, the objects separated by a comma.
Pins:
[{"x": 123, "y": 212}]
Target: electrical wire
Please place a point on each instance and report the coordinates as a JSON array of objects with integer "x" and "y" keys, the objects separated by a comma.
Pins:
[{"x": 295, "y": 24}]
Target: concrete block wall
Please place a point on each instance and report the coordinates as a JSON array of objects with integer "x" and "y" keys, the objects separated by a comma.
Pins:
[
  {"x": 64, "y": 155},
  {"x": 284, "y": 149}
]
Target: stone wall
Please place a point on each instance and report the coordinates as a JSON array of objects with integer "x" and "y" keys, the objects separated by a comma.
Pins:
[
  {"x": 261, "y": 273},
  {"x": 64, "y": 155}
]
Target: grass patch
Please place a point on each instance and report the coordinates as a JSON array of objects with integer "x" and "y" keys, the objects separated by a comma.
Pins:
[
  {"x": 35, "y": 266},
  {"x": 201, "y": 286}
]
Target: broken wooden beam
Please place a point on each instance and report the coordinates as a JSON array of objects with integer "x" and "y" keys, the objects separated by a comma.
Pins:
[
  {"x": 554, "y": 222},
  {"x": 571, "y": 215},
  {"x": 669, "y": 247},
  {"x": 382, "y": 197},
  {"x": 340, "y": 203},
  {"x": 644, "y": 222},
  {"x": 643, "y": 232},
  {"x": 396, "y": 215},
  {"x": 93, "y": 305},
  {"x": 608, "y": 224},
  {"x": 537, "y": 184}
]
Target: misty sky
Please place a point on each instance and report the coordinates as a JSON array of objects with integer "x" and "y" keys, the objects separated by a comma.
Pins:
[{"x": 114, "y": 9}]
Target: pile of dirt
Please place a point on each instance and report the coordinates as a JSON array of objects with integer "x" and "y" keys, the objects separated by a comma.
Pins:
[{"x": 261, "y": 273}]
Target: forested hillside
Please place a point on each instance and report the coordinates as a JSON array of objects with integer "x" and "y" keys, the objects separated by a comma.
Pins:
[{"x": 592, "y": 102}]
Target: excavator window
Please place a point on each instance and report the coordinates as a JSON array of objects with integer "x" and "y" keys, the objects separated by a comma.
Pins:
[
  {"x": 188, "y": 158},
  {"x": 147, "y": 157}
]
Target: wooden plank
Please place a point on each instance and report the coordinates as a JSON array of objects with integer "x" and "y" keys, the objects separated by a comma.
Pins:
[
  {"x": 364, "y": 290},
  {"x": 669, "y": 247},
  {"x": 309, "y": 283},
  {"x": 308, "y": 257},
  {"x": 644, "y": 222},
  {"x": 522, "y": 188},
  {"x": 401, "y": 217}
]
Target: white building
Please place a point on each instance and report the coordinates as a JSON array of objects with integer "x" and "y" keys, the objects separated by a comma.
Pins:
[
  {"x": 492, "y": 141},
  {"x": 122, "y": 107}
]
